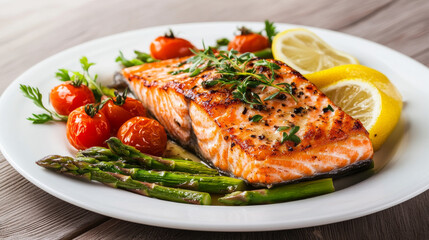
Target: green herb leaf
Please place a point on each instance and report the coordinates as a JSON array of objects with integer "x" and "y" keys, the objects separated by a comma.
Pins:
[
  {"x": 282, "y": 128},
  {"x": 295, "y": 139},
  {"x": 328, "y": 108},
  {"x": 141, "y": 58},
  {"x": 85, "y": 64},
  {"x": 270, "y": 30},
  {"x": 265, "y": 53},
  {"x": 175, "y": 72},
  {"x": 208, "y": 84},
  {"x": 271, "y": 97},
  {"x": 85, "y": 78},
  {"x": 63, "y": 75},
  {"x": 92, "y": 81},
  {"x": 294, "y": 130},
  {"x": 222, "y": 42},
  {"x": 256, "y": 118},
  {"x": 291, "y": 136},
  {"x": 40, "y": 118},
  {"x": 284, "y": 137},
  {"x": 128, "y": 63},
  {"x": 145, "y": 57},
  {"x": 35, "y": 95}
]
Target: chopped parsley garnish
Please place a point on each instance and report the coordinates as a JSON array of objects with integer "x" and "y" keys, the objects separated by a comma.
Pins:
[
  {"x": 328, "y": 108},
  {"x": 291, "y": 136},
  {"x": 256, "y": 118}
]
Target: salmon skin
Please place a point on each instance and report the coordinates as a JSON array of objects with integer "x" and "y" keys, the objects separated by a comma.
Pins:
[{"x": 219, "y": 129}]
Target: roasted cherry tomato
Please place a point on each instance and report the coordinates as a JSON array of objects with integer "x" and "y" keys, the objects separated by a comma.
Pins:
[
  {"x": 87, "y": 128},
  {"x": 118, "y": 111},
  {"x": 68, "y": 96},
  {"x": 250, "y": 42},
  {"x": 168, "y": 46},
  {"x": 145, "y": 134}
]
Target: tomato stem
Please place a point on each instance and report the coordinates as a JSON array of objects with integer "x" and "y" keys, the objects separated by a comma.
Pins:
[
  {"x": 244, "y": 31},
  {"x": 169, "y": 34},
  {"x": 120, "y": 98}
]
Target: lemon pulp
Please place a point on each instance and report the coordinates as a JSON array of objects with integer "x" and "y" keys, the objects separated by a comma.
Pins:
[{"x": 306, "y": 52}]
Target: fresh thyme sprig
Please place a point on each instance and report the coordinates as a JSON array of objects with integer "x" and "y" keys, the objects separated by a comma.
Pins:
[
  {"x": 236, "y": 73},
  {"x": 35, "y": 95}
]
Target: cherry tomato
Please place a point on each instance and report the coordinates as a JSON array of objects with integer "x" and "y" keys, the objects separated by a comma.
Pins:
[
  {"x": 67, "y": 97},
  {"x": 119, "y": 114},
  {"x": 251, "y": 42},
  {"x": 84, "y": 131},
  {"x": 168, "y": 46},
  {"x": 145, "y": 134}
]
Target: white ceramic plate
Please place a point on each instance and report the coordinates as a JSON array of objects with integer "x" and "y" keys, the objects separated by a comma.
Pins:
[{"x": 401, "y": 166}]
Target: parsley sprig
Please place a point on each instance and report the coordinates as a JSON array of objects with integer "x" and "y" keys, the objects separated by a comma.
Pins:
[
  {"x": 140, "y": 58},
  {"x": 85, "y": 77},
  {"x": 35, "y": 95},
  {"x": 270, "y": 30},
  {"x": 236, "y": 73}
]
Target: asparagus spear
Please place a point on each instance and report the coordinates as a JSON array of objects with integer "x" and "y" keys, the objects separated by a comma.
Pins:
[
  {"x": 279, "y": 194},
  {"x": 70, "y": 166},
  {"x": 132, "y": 155},
  {"x": 204, "y": 183},
  {"x": 99, "y": 153}
]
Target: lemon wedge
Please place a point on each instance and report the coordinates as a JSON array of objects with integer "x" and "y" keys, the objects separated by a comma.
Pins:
[
  {"x": 306, "y": 52},
  {"x": 364, "y": 94}
]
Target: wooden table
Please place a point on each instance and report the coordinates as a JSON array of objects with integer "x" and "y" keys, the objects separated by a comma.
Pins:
[{"x": 33, "y": 30}]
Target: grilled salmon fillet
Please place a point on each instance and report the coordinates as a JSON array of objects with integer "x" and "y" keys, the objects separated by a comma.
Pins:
[{"x": 218, "y": 127}]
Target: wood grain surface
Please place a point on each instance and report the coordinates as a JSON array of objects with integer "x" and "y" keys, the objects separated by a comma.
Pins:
[{"x": 31, "y": 31}]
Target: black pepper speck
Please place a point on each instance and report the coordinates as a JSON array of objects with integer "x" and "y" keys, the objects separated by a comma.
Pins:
[
  {"x": 298, "y": 110},
  {"x": 281, "y": 96}
]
